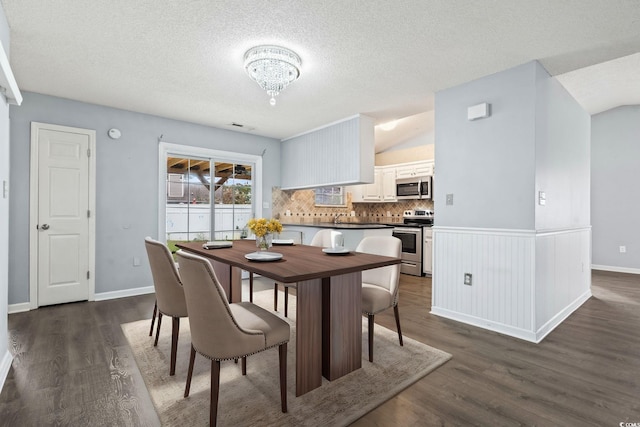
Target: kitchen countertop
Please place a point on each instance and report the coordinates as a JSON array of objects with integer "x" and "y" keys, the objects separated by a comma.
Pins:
[{"x": 345, "y": 225}]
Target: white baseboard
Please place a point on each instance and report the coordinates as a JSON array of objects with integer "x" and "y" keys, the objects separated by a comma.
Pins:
[
  {"x": 615, "y": 269},
  {"x": 556, "y": 320},
  {"x": 5, "y": 365},
  {"x": 26, "y": 306},
  {"x": 19, "y": 308},
  {"x": 124, "y": 293},
  {"x": 522, "y": 334}
]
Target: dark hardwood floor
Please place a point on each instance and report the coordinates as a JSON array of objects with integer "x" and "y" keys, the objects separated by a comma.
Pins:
[{"x": 72, "y": 366}]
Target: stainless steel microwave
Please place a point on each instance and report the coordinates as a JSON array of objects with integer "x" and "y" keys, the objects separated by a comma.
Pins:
[{"x": 413, "y": 188}]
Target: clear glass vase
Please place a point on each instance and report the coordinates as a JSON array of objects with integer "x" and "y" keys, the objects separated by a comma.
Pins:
[{"x": 264, "y": 242}]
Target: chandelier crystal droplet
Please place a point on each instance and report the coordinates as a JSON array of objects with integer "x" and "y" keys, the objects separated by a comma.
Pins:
[{"x": 272, "y": 67}]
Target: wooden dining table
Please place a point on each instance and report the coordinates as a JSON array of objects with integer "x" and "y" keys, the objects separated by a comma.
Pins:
[{"x": 329, "y": 301}]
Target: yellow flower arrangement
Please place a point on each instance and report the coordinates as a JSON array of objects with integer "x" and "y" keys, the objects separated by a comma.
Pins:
[{"x": 262, "y": 226}]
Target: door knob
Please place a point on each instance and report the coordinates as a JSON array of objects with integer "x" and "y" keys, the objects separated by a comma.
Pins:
[{"x": 44, "y": 226}]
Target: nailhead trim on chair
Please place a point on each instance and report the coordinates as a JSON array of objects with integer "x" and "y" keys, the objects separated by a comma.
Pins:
[
  {"x": 380, "y": 311},
  {"x": 240, "y": 356}
]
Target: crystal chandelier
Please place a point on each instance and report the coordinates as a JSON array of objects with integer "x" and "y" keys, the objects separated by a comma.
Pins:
[{"x": 272, "y": 67}]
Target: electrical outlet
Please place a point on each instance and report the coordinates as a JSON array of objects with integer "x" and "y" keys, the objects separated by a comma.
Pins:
[
  {"x": 136, "y": 261},
  {"x": 468, "y": 279},
  {"x": 449, "y": 199},
  {"x": 623, "y": 249}
]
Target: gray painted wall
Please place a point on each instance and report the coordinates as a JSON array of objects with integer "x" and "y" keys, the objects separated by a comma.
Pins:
[
  {"x": 489, "y": 164},
  {"x": 4, "y": 206},
  {"x": 615, "y": 199},
  {"x": 127, "y": 182},
  {"x": 562, "y": 134},
  {"x": 537, "y": 138}
]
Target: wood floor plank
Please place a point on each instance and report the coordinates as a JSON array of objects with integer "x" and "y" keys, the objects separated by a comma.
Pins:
[{"x": 68, "y": 371}]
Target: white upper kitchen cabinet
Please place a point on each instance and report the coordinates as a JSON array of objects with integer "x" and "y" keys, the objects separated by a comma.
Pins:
[
  {"x": 341, "y": 153},
  {"x": 383, "y": 188},
  {"x": 388, "y": 187},
  {"x": 373, "y": 192},
  {"x": 415, "y": 169}
]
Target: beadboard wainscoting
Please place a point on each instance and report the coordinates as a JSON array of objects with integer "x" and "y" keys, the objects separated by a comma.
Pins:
[{"x": 524, "y": 283}]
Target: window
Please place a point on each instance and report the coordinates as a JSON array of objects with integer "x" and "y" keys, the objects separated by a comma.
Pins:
[
  {"x": 232, "y": 199},
  {"x": 206, "y": 194},
  {"x": 330, "y": 196},
  {"x": 188, "y": 207}
]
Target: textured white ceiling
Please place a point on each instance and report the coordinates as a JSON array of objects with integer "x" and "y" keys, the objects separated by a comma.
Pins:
[
  {"x": 183, "y": 59},
  {"x": 606, "y": 85}
]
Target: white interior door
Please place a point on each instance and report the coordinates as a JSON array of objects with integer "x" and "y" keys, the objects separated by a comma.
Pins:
[{"x": 63, "y": 215}]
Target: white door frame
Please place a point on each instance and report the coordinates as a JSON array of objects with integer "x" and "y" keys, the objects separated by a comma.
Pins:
[{"x": 33, "y": 208}]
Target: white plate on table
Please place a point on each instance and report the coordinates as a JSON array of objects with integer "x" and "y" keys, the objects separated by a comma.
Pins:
[
  {"x": 282, "y": 242},
  {"x": 263, "y": 256},
  {"x": 216, "y": 244},
  {"x": 339, "y": 250}
]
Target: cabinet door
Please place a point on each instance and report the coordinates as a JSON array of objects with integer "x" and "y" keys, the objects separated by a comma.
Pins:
[
  {"x": 415, "y": 170},
  {"x": 427, "y": 249},
  {"x": 389, "y": 185},
  {"x": 404, "y": 172},
  {"x": 356, "y": 193},
  {"x": 373, "y": 192}
]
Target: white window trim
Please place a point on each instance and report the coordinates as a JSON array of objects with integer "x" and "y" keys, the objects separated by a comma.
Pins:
[{"x": 167, "y": 148}]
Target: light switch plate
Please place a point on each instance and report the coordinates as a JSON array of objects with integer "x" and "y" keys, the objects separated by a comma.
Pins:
[
  {"x": 542, "y": 198},
  {"x": 5, "y": 189},
  {"x": 449, "y": 199}
]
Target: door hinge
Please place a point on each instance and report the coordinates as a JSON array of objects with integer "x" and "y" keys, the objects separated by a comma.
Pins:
[
  {"x": 88, "y": 152},
  {"x": 88, "y": 275},
  {"x": 88, "y": 213}
]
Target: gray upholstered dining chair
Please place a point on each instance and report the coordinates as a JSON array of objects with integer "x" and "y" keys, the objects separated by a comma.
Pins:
[
  {"x": 224, "y": 331},
  {"x": 323, "y": 238},
  {"x": 169, "y": 294},
  {"x": 380, "y": 285}
]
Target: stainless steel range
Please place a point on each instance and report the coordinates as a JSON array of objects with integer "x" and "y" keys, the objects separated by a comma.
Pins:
[{"x": 410, "y": 234}]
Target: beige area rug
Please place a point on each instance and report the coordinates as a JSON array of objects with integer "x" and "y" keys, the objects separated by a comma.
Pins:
[{"x": 254, "y": 399}]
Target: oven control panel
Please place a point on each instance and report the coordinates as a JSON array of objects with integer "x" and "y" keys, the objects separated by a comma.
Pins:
[{"x": 418, "y": 213}]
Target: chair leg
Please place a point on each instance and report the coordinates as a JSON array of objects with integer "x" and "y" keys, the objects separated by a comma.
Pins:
[
  {"x": 175, "y": 329},
  {"x": 282, "y": 350},
  {"x": 371, "y": 323},
  {"x": 244, "y": 366},
  {"x": 155, "y": 343},
  {"x": 250, "y": 287},
  {"x": 395, "y": 312},
  {"x": 286, "y": 301},
  {"x": 215, "y": 389},
  {"x": 275, "y": 297},
  {"x": 153, "y": 317},
  {"x": 192, "y": 359}
]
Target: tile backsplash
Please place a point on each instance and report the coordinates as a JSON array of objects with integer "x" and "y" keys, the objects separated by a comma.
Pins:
[{"x": 301, "y": 205}]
